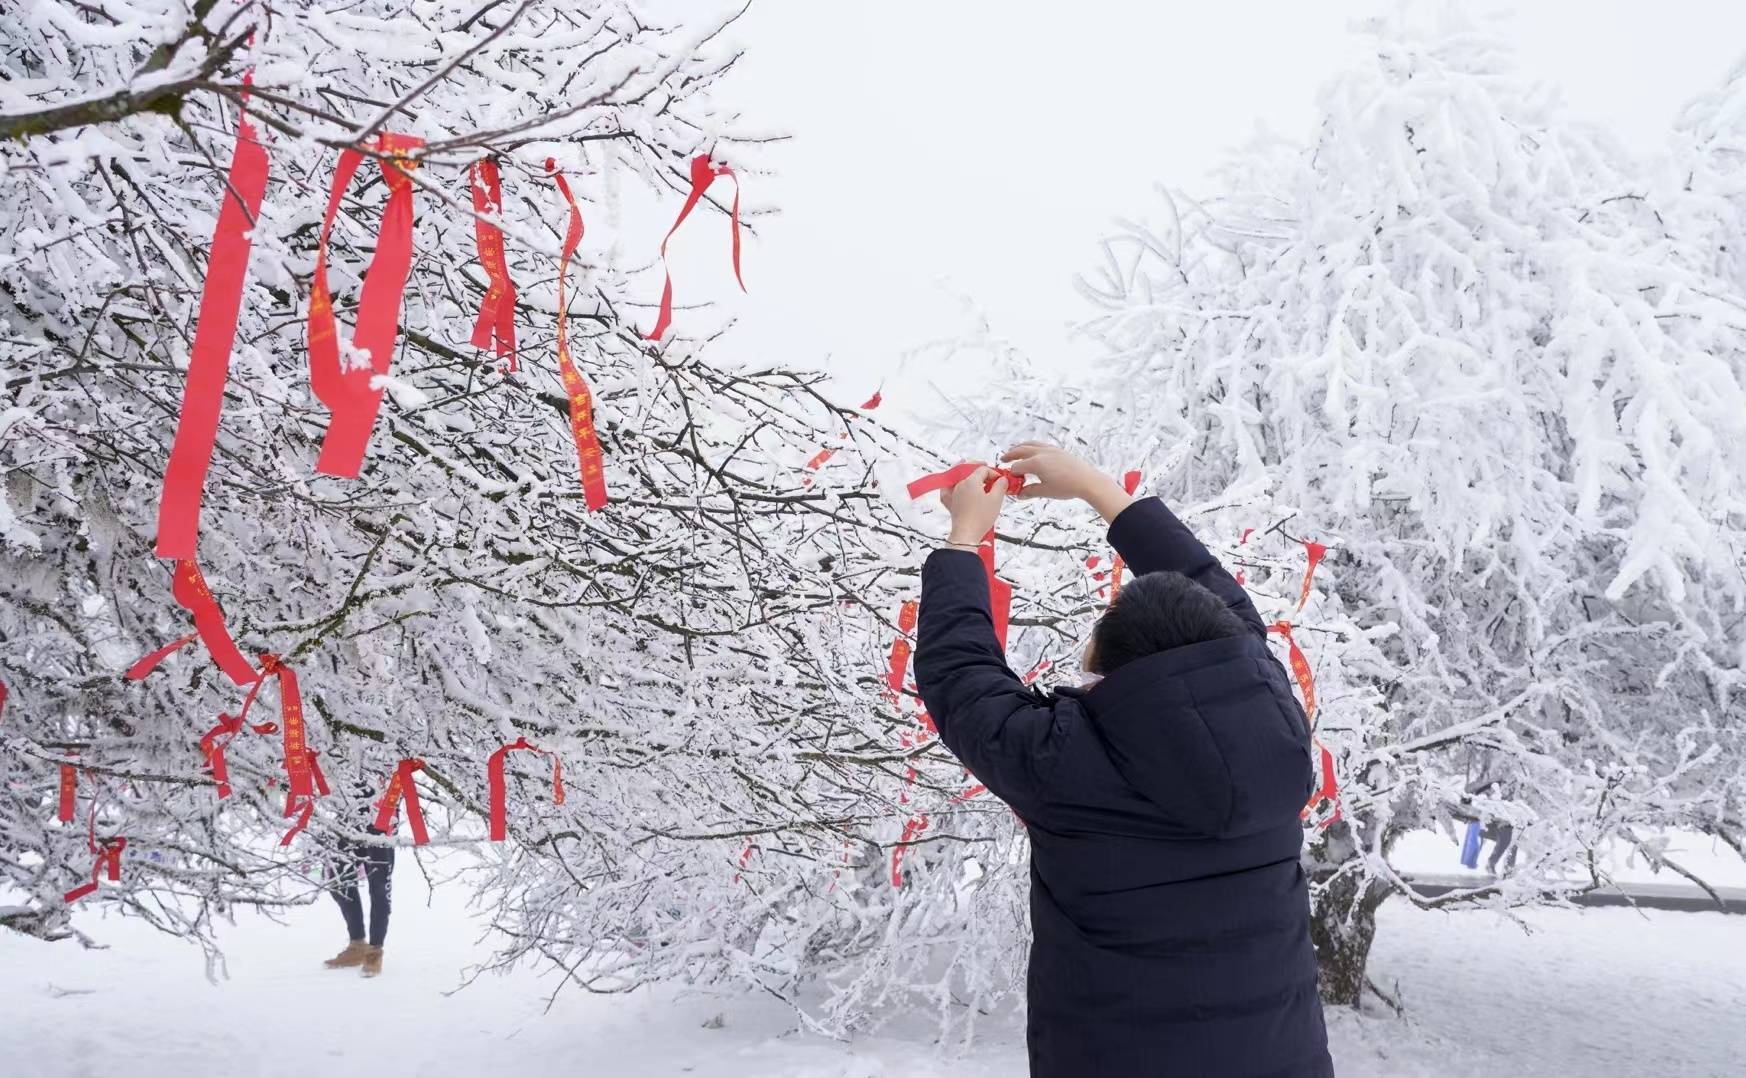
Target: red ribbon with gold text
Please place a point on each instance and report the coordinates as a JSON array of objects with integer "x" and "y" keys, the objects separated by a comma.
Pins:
[
  {"x": 495, "y": 328},
  {"x": 1316, "y": 552},
  {"x": 344, "y": 382},
  {"x": 401, "y": 786},
  {"x": 703, "y": 173},
  {"x": 305, "y": 808},
  {"x": 227, "y": 265},
  {"x": 189, "y": 588},
  {"x": 589, "y": 458},
  {"x": 494, "y": 777},
  {"x": 108, "y": 860}
]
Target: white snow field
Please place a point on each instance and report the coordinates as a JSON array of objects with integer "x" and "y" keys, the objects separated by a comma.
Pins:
[{"x": 1609, "y": 992}]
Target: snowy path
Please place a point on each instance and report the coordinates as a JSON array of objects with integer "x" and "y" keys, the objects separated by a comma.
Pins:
[{"x": 1604, "y": 992}]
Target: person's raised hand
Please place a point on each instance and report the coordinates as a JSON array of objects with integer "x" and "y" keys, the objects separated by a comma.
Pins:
[
  {"x": 1059, "y": 474},
  {"x": 975, "y": 505}
]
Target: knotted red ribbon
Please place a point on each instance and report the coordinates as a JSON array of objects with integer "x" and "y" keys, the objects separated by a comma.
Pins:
[
  {"x": 912, "y": 829},
  {"x": 227, "y": 265},
  {"x": 900, "y": 649},
  {"x": 69, "y": 792},
  {"x": 495, "y": 328},
  {"x": 589, "y": 458},
  {"x": 108, "y": 859},
  {"x": 1130, "y": 483},
  {"x": 301, "y": 770},
  {"x": 214, "y": 741},
  {"x": 494, "y": 777},
  {"x": 189, "y": 588},
  {"x": 1316, "y": 552},
  {"x": 401, "y": 786},
  {"x": 703, "y": 173},
  {"x": 957, "y": 473},
  {"x": 345, "y": 382}
]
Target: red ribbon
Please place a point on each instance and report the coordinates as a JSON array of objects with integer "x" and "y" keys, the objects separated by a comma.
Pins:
[
  {"x": 900, "y": 649},
  {"x": 108, "y": 859},
  {"x": 227, "y": 265},
  {"x": 343, "y": 387},
  {"x": 588, "y": 455},
  {"x": 703, "y": 173},
  {"x": 1130, "y": 483},
  {"x": 999, "y": 591},
  {"x": 401, "y": 785},
  {"x": 1316, "y": 552},
  {"x": 1300, "y": 669},
  {"x": 494, "y": 776},
  {"x": 301, "y": 770},
  {"x": 69, "y": 792},
  {"x": 495, "y": 328},
  {"x": 872, "y": 402},
  {"x": 912, "y": 829},
  {"x": 216, "y": 740},
  {"x": 745, "y": 857},
  {"x": 1328, "y": 793},
  {"x": 957, "y": 473},
  {"x": 305, "y": 808},
  {"x": 189, "y": 588},
  {"x": 2, "y": 697}
]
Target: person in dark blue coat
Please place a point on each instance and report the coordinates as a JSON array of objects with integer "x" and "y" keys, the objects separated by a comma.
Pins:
[{"x": 1169, "y": 910}]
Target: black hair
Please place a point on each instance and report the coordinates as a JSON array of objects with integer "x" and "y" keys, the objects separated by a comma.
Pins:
[{"x": 1156, "y": 612}]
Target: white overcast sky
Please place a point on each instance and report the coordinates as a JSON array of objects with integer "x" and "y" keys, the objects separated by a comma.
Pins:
[{"x": 954, "y": 160}]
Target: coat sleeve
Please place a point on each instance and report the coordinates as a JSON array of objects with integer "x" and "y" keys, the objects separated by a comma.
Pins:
[
  {"x": 1004, "y": 733},
  {"x": 1151, "y": 539}
]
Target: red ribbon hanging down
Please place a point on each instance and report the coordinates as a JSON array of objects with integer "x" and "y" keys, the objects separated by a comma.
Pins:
[
  {"x": 401, "y": 785},
  {"x": 2, "y": 697},
  {"x": 189, "y": 588},
  {"x": 1316, "y": 552},
  {"x": 1329, "y": 790},
  {"x": 495, "y": 328},
  {"x": 900, "y": 651},
  {"x": 301, "y": 770},
  {"x": 214, "y": 741},
  {"x": 69, "y": 793},
  {"x": 108, "y": 859},
  {"x": 494, "y": 777},
  {"x": 745, "y": 858},
  {"x": 999, "y": 591},
  {"x": 1130, "y": 483},
  {"x": 343, "y": 383},
  {"x": 589, "y": 457},
  {"x": 1240, "y": 542},
  {"x": 703, "y": 173},
  {"x": 214, "y": 334},
  {"x": 912, "y": 829}
]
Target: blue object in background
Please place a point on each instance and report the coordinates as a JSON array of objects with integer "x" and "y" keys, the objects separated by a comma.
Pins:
[{"x": 1470, "y": 846}]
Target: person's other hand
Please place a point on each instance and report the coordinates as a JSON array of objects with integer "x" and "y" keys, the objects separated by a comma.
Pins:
[
  {"x": 974, "y": 505},
  {"x": 1060, "y": 474}
]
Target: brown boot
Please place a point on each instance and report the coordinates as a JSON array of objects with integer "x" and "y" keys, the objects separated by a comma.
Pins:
[
  {"x": 372, "y": 961},
  {"x": 353, "y": 955}
]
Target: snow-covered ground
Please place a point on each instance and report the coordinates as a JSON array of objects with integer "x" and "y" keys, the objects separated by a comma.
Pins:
[{"x": 1605, "y": 992}]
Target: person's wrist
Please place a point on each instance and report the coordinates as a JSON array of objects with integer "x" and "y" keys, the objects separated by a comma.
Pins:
[
  {"x": 1107, "y": 497},
  {"x": 960, "y": 537}
]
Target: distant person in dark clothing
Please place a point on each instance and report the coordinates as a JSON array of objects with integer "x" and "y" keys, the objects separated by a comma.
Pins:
[
  {"x": 377, "y": 862},
  {"x": 1169, "y": 911}
]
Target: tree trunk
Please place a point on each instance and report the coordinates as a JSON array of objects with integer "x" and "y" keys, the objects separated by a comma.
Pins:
[{"x": 1343, "y": 924}]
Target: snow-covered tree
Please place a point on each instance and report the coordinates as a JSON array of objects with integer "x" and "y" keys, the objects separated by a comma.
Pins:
[{"x": 1496, "y": 365}]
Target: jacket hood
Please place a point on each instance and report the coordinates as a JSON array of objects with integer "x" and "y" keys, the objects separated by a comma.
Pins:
[{"x": 1209, "y": 733}]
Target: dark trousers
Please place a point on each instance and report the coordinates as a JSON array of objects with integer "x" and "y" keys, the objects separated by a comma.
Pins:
[{"x": 378, "y": 863}]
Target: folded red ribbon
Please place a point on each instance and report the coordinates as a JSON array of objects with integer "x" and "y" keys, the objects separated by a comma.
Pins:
[
  {"x": 69, "y": 793},
  {"x": 401, "y": 786},
  {"x": 956, "y": 474},
  {"x": 912, "y": 830},
  {"x": 108, "y": 859},
  {"x": 494, "y": 778},
  {"x": 227, "y": 265},
  {"x": 189, "y": 588},
  {"x": 589, "y": 458},
  {"x": 495, "y": 328},
  {"x": 900, "y": 650},
  {"x": 703, "y": 173},
  {"x": 345, "y": 383}
]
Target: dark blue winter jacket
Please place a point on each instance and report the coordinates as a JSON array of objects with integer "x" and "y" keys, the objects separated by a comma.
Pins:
[{"x": 1169, "y": 914}]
